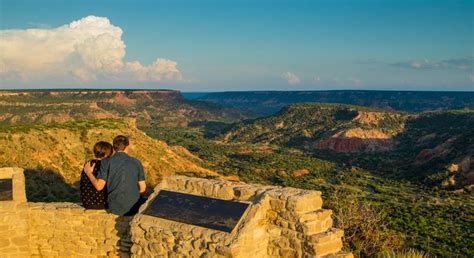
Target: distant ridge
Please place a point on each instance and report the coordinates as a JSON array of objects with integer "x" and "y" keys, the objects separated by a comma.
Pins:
[
  {"x": 150, "y": 107},
  {"x": 269, "y": 102},
  {"x": 85, "y": 89}
]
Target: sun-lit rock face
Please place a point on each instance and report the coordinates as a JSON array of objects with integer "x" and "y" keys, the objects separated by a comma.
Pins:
[
  {"x": 280, "y": 222},
  {"x": 355, "y": 140}
]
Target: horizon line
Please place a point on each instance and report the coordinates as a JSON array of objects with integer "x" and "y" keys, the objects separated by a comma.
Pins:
[{"x": 229, "y": 91}]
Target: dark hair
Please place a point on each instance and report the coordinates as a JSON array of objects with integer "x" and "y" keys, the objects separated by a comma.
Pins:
[
  {"x": 120, "y": 143},
  {"x": 102, "y": 149}
]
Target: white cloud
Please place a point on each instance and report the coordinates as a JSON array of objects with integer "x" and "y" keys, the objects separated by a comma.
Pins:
[
  {"x": 291, "y": 78},
  {"x": 88, "y": 49},
  {"x": 453, "y": 63}
]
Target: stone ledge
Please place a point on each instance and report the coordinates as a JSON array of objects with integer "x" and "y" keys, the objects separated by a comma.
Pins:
[
  {"x": 68, "y": 229},
  {"x": 282, "y": 222}
]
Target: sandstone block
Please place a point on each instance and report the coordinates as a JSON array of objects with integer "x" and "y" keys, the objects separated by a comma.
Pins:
[
  {"x": 277, "y": 205},
  {"x": 9, "y": 250},
  {"x": 316, "y": 215},
  {"x": 4, "y": 242},
  {"x": 287, "y": 252},
  {"x": 304, "y": 203},
  {"x": 290, "y": 216},
  {"x": 322, "y": 249},
  {"x": 244, "y": 193},
  {"x": 225, "y": 192},
  {"x": 330, "y": 235},
  {"x": 7, "y": 205},
  {"x": 340, "y": 255},
  {"x": 274, "y": 231},
  {"x": 20, "y": 240},
  {"x": 282, "y": 243},
  {"x": 316, "y": 226}
]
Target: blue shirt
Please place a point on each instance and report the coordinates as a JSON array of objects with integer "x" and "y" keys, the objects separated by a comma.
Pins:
[{"x": 122, "y": 173}]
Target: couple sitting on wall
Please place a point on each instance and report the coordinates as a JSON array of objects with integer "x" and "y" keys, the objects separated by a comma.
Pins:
[{"x": 114, "y": 182}]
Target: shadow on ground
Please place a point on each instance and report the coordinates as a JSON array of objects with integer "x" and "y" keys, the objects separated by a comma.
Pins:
[{"x": 46, "y": 185}]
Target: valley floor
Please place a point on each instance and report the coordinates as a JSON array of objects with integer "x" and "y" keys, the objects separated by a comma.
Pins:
[{"x": 407, "y": 214}]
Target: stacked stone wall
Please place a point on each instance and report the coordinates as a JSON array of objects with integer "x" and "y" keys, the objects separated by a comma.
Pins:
[
  {"x": 14, "y": 230},
  {"x": 281, "y": 222},
  {"x": 57, "y": 229},
  {"x": 68, "y": 230}
]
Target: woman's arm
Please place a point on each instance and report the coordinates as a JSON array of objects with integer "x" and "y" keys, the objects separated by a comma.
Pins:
[{"x": 99, "y": 184}]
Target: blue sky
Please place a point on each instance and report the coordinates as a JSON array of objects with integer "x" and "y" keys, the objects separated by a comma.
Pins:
[{"x": 248, "y": 45}]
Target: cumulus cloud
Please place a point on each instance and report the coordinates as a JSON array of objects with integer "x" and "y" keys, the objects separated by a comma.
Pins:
[
  {"x": 88, "y": 49},
  {"x": 453, "y": 63},
  {"x": 291, "y": 78}
]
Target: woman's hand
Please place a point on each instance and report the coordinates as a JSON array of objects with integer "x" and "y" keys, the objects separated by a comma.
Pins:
[
  {"x": 99, "y": 184},
  {"x": 88, "y": 168}
]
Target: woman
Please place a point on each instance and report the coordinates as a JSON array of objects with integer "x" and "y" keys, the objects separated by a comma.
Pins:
[{"x": 91, "y": 198}]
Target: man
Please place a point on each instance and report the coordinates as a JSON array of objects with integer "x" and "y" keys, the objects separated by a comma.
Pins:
[{"x": 124, "y": 177}]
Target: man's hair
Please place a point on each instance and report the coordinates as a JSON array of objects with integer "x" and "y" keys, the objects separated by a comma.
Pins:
[
  {"x": 102, "y": 149},
  {"x": 120, "y": 143}
]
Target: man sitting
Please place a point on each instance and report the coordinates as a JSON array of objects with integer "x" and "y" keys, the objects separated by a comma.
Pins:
[{"x": 124, "y": 177}]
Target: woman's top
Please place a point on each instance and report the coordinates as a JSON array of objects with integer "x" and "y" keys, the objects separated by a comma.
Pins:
[{"x": 91, "y": 198}]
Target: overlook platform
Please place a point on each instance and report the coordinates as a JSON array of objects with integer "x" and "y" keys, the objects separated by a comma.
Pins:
[{"x": 279, "y": 222}]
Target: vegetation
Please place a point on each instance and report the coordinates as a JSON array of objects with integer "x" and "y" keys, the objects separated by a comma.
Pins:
[
  {"x": 162, "y": 107},
  {"x": 411, "y": 199},
  {"x": 417, "y": 147},
  {"x": 366, "y": 230},
  {"x": 409, "y": 214},
  {"x": 299, "y": 124},
  {"x": 71, "y": 125}
]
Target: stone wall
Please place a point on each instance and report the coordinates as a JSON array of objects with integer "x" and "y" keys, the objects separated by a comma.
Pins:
[
  {"x": 281, "y": 222},
  {"x": 67, "y": 229},
  {"x": 14, "y": 230},
  {"x": 57, "y": 229}
]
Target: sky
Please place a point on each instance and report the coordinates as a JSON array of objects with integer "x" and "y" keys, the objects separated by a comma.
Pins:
[{"x": 238, "y": 45}]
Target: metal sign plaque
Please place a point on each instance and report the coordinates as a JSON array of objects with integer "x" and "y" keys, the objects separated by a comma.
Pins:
[
  {"x": 197, "y": 210},
  {"x": 6, "y": 193}
]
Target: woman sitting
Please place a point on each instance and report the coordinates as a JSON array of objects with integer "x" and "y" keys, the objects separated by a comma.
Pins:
[{"x": 91, "y": 198}]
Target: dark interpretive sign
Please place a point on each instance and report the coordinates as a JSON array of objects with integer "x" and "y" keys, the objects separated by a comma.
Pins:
[
  {"x": 197, "y": 210},
  {"x": 6, "y": 193}
]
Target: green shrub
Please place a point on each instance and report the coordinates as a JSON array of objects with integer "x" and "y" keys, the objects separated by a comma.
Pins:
[{"x": 366, "y": 231}]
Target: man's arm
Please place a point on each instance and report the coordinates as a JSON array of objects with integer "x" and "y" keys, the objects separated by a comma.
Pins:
[
  {"x": 142, "y": 187},
  {"x": 141, "y": 179},
  {"x": 99, "y": 184}
]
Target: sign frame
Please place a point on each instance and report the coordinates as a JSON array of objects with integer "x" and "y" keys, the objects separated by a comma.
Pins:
[{"x": 236, "y": 225}]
